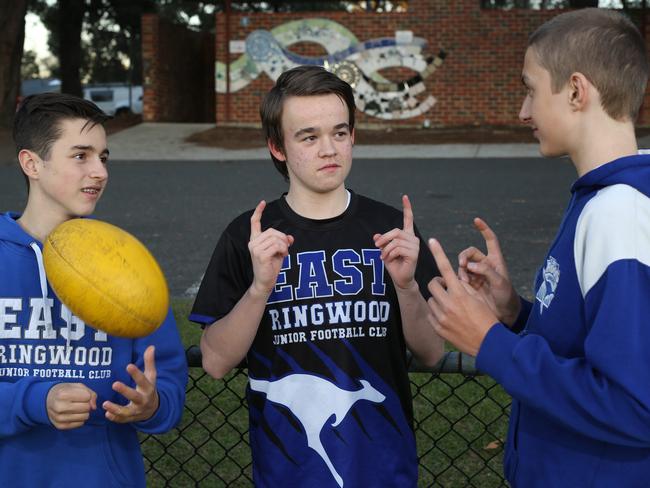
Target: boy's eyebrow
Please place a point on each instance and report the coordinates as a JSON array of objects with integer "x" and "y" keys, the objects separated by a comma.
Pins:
[
  {"x": 312, "y": 130},
  {"x": 86, "y": 147},
  {"x": 306, "y": 130}
]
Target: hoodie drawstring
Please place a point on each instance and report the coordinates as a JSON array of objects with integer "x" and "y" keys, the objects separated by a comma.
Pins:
[
  {"x": 41, "y": 269},
  {"x": 43, "y": 280}
]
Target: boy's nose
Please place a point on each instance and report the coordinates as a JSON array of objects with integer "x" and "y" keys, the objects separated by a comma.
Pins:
[
  {"x": 524, "y": 112},
  {"x": 327, "y": 147},
  {"x": 98, "y": 171}
]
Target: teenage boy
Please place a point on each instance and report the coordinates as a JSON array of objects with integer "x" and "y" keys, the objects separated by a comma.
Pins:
[
  {"x": 576, "y": 359},
  {"x": 320, "y": 291},
  {"x": 72, "y": 398}
]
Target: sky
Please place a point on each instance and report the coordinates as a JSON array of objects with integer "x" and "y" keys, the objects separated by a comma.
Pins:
[{"x": 36, "y": 36}]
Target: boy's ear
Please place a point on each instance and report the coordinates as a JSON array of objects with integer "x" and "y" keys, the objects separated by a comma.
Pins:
[
  {"x": 28, "y": 161},
  {"x": 579, "y": 91},
  {"x": 275, "y": 151}
]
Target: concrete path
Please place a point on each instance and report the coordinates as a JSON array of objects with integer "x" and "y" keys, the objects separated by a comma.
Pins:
[{"x": 166, "y": 142}]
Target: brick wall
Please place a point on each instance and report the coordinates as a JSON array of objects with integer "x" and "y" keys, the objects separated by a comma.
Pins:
[
  {"x": 178, "y": 72},
  {"x": 478, "y": 83}
]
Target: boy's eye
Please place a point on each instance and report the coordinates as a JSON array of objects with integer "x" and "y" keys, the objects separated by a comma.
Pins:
[
  {"x": 79, "y": 156},
  {"x": 309, "y": 138},
  {"x": 104, "y": 159}
]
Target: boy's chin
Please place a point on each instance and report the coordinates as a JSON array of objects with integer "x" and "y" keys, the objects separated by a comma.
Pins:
[
  {"x": 83, "y": 212},
  {"x": 551, "y": 152}
]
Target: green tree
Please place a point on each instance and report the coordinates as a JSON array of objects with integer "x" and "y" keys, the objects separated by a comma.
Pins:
[
  {"x": 99, "y": 41},
  {"x": 113, "y": 40},
  {"x": 29, "y": 68},
  {"x": 94, "y": 40},
  {"x": 200, "y": 14}
]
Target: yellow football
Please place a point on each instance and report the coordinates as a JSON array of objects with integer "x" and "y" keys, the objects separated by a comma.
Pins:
[{"x": 106, "y": 277}]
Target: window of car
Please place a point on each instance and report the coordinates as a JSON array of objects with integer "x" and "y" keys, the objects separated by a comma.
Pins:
[{"x": 101, "y": 95}]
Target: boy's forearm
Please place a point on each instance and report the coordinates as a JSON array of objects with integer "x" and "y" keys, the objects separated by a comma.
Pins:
[
  {"x": 23, "y": 405},
  {"x": 227, "y": 341},
  {"x": 420, "y": 337}
]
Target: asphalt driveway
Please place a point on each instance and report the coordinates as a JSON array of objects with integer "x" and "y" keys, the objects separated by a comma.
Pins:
[{"x": 179, "y": 208}]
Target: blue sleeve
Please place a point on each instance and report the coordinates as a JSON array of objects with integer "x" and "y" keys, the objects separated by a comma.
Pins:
[
  {"x": 605, "y": 394},
  {"x": 171, "y": 379},
  {"x": 23, "y": 405}
]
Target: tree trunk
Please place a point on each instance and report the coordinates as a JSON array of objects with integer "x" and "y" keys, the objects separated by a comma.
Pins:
[
  {"x": 12, "y": 36},
  {"x": 71, "y": 16}
]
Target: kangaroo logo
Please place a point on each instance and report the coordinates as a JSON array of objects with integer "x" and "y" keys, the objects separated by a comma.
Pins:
[
  {"x": 313, "y": 400},
  {"x": 550, "y": 280}
]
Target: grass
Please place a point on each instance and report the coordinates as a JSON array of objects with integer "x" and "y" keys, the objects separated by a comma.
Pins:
[{"x": 460, "y": 424}]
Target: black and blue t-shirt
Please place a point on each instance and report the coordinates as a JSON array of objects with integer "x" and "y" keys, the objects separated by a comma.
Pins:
[{"x": 329, "y": 396}]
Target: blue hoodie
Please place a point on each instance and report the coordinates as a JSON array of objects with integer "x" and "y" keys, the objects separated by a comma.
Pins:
[
  {"x": 35, "y": 329},
  {"x": 578, "y": 372}
]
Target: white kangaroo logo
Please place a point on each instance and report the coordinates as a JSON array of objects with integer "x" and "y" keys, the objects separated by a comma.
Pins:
[{"x": 313, "y": 400}]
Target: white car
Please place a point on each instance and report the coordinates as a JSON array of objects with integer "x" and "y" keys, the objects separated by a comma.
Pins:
[{"x": 115, "y": 99}]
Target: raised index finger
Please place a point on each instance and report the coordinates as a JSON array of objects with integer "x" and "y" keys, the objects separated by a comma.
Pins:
[
  {"x": 256, "y": 220},
  {"x": 408, "y": 214},
  {"x": 491, "y": 240},
  {"x": 444, "y": 266}
]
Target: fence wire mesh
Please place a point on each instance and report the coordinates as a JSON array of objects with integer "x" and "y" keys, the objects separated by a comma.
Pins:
[{"x": 460, "y": 421}]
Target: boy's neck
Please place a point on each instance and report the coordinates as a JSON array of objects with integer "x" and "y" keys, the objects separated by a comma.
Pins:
[
  {"x": 318, "y": 206},
  {"x": 602, "y": 141},
  {"x": 39, "y": 223}
]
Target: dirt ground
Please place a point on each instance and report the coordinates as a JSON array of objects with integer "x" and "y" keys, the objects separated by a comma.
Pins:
[{"x": 122, "y": 122}]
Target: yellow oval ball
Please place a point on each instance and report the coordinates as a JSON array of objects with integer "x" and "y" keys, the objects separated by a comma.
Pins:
[{"x": 106, "y": 277}]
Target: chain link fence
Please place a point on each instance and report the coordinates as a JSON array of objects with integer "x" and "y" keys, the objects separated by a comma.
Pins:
[{"x": 460, "y": 420}]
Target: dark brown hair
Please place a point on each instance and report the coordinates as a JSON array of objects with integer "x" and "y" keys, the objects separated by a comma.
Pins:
[
  {"x": 37, "y": 124},
  {"x": 302, "y": 81}
]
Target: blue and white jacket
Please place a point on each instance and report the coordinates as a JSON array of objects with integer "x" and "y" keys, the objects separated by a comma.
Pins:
[
  {"x": 579, "y": 372},
  {"x": 42, "y": 344}
]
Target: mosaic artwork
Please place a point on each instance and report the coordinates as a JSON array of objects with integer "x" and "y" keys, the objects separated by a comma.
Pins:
[{"x": 358, "y": 63}]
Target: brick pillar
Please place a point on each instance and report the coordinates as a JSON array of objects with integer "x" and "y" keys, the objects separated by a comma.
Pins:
[{"x": 150, "y": 62}]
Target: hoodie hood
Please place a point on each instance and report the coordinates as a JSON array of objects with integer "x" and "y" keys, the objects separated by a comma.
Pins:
[
  {"x": 633, "y": 171},
  {"x": 11, "y": 231}
]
